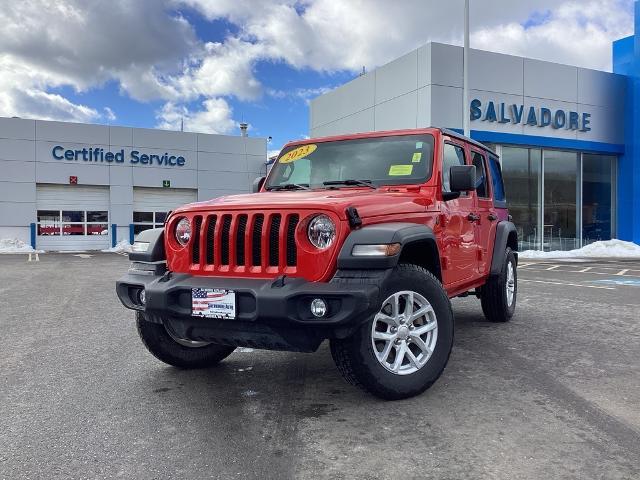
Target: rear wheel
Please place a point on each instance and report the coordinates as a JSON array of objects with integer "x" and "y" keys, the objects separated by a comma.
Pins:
[
  {"x": 166, "y": 345},
  {"x": 404, "y": 348},
  {"x": 498, "y": 296}
]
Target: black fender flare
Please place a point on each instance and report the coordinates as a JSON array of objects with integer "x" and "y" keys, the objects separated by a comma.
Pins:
[
  {"x": 404, "y": 233},
  {"x": 504, "y": 230},
  {"x": 155, "y": 251}
]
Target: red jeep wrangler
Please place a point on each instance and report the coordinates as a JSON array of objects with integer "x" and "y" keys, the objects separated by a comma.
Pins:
[{"x": 358, "y": 239}]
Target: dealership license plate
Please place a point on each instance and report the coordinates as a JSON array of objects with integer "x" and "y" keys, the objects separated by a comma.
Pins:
[{"x": 213, "y": 303}]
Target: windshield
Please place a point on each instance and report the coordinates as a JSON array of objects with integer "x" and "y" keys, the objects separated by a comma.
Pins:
[{"x": 402, "y": 159}]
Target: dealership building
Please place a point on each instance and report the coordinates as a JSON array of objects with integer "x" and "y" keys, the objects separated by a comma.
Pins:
[
  {"x": 67, "y": 186},
  {"x": 567, "y": 136}
]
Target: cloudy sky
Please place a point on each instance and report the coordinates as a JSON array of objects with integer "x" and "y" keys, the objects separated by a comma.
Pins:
[{"x": 214, "y": 63}]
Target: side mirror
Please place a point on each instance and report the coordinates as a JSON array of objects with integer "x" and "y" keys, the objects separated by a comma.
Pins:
[
  {"x": 257, "y": 184},
  {"x": 462, "y": 178}
]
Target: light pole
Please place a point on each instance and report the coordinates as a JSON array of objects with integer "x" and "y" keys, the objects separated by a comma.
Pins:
[{"x": 465, "y": 72}]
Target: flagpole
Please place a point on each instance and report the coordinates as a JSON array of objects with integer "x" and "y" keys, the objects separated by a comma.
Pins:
[{"x": 465, "y": 72}]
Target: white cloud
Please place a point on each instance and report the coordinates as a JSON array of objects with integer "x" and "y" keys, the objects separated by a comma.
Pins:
[
  {"x": 305, "y": 94},
  {"x": 331, "y": 35},
  {"x": 152, "y": 52},
  {"x": 576, "y": 32},
  {"x": 224, "y": 69},
  {"x": 215, "y": 117},
  {"x": 109, "y": 114},
  {"x": 82, "y": 44}
]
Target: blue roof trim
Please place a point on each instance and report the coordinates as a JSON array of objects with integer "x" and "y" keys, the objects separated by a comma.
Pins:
[{"x": 548, "y": 142}]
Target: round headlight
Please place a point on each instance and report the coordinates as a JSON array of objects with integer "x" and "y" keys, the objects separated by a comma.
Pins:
[
  {"x": 183, "y": 231},
  {"x": 321, "y": 231}
]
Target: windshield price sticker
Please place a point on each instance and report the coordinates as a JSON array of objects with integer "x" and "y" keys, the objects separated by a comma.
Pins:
[
  {"x": 399, "y": 170},
  {"x": 298, "y": 153},
  {"x": 416, "y": 157}
]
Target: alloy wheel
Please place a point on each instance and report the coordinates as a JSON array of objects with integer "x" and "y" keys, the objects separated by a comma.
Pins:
[{"x": 404, "y": 332}]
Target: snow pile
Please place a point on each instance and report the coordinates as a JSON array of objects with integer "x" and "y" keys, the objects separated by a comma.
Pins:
[
  {"x": 603, "y": 249},
  {"x": 13, "y": 245},
  {"x": 121, "y": 247}
]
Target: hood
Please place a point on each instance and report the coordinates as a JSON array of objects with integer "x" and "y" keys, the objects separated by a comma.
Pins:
[{"x": 384, "y": 201}]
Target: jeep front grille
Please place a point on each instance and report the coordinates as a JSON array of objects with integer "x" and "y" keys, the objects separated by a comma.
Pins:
[{"x": 260, "y": 242}]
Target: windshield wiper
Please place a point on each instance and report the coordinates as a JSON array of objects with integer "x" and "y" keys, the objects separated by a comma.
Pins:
[
  {"x": 290, "y": 186},
  {"x": 351, "y": 181}
]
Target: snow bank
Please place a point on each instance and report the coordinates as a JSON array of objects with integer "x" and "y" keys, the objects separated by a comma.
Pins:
[
  {"x": 604, "y": 249},
  {"x": 13, "y": 245},
  {"x": 121, "y": 247}
]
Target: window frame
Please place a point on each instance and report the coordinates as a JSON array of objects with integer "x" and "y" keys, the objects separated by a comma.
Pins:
[
  {"x": 154, "y": 223},
  {"x": 465, "y": 162},
  {"x": 497, "y": 203},
  {"x": 488, "y": 186},
  {"x": 61, "y": 224}
]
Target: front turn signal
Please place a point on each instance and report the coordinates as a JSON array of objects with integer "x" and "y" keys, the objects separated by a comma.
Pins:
[{"x": 380, "y": 250}]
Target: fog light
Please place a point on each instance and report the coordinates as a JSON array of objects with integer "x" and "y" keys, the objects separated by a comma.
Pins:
[
  {"x": 142, "y": 296},
  {"x": 318, "y": 307}
]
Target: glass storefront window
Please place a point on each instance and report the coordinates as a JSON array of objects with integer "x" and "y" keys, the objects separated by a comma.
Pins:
[
  {"x": 571, "y": 205},
  {"x": 596, "y": 197},
  {"x": 521, "y": 170}
]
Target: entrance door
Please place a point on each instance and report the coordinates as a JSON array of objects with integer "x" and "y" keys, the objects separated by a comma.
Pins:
[
  {"x": 459, "y": 238},
  {"x": 560, "y": 226}
]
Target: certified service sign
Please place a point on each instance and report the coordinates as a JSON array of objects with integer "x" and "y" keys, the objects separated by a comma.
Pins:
[{"x": 99, "y": 155}]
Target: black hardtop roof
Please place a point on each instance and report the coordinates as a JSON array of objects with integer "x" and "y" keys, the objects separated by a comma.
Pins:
[{"x": 459, "y": 136}]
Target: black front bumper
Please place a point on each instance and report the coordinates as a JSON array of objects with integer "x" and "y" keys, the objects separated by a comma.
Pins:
[{"x": 273, "y": 314}]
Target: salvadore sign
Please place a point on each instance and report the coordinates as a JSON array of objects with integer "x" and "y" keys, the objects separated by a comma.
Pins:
[
  {"x": 528, "y": 115},
  {"x": 133, "y": 157}
]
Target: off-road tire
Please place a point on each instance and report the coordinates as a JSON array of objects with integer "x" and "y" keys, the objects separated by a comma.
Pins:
[
  {"x": 493, "y": 294},
  {"x": 355, "y": 357},
  {"x": 158, "y": 341}
]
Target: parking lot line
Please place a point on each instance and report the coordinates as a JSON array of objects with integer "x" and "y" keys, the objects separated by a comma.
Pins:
[
  {"x": 627, "y": 272},
  {"x": 565, "y": 283}
]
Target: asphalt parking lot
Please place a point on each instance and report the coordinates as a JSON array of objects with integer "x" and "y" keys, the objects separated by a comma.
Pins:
[{"x": 553, "y": 394}]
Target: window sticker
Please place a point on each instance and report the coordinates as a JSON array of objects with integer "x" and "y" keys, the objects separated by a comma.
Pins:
[
  {"x": 399, "y": 170},
  {"x": 418, "y": 145},
  {"x": 416, "y": 157},
  {"x": 298, "y": 153}
]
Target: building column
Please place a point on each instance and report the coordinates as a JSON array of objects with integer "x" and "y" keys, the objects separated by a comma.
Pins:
[{"x": 626, "y": 61}]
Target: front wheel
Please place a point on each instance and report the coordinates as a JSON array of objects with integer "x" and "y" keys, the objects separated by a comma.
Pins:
[
  {"x": 166, "y": 346},
  {"x": 404, "y": 348}
]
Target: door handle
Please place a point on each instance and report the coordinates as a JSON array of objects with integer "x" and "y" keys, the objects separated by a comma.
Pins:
[
  {"x": 492, "y": 217},
  {"x": 472, "y": 217}
]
